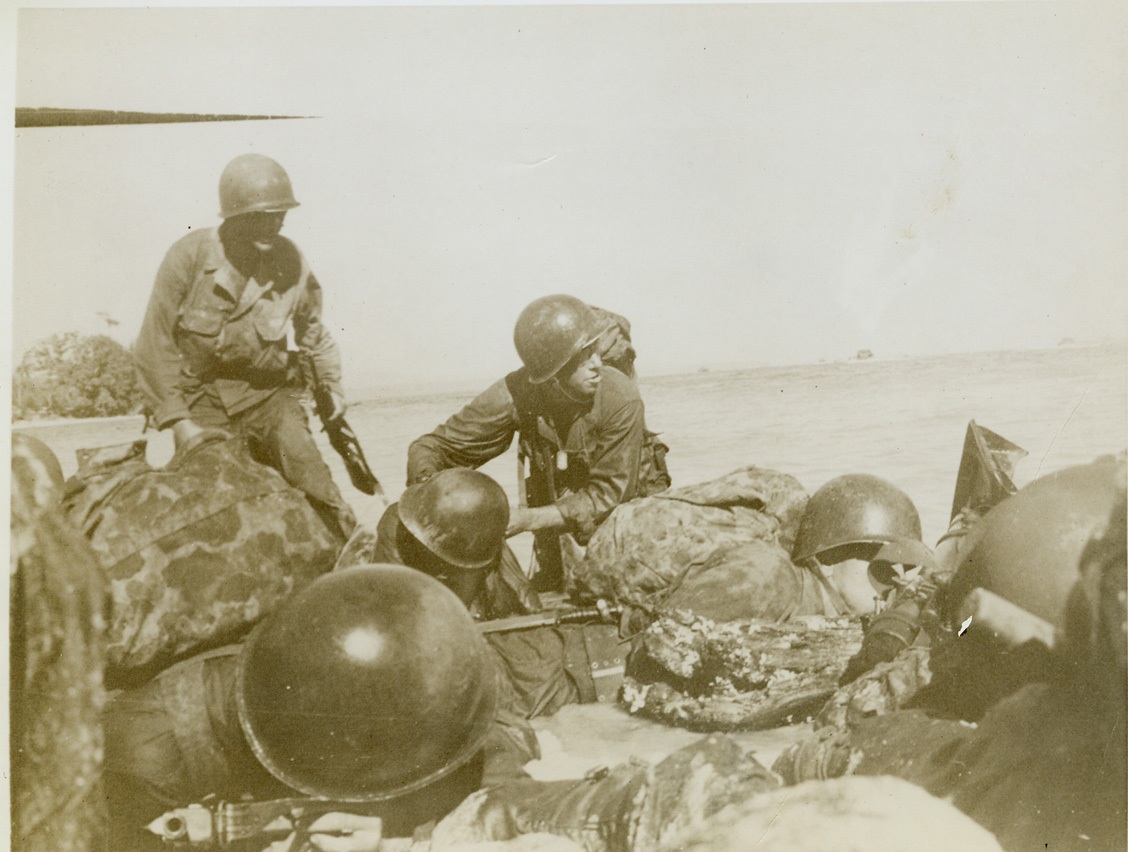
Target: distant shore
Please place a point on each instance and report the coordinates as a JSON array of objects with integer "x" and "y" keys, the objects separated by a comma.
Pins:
[{"x": 405, "y": 391}]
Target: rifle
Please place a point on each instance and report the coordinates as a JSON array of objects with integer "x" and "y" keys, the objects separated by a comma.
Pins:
[
  {"x": 221, "y": 825},
  {"x": 602, "y": 611},
  {"x": 341, "y": 436}
]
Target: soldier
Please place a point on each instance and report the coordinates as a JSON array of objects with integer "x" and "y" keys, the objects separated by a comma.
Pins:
[
  {"x": 1043, "y": 765},
  {"x": 857, "y": 533},
  {"x": 452, "y": 527},
  {"x": 372, "y": 685},
  {"x": 581, "y": 428},
  {"x": 229, "y": 307}
]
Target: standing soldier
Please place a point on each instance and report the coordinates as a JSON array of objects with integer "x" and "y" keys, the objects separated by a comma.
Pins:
[
  {"x": 230, "y": 306},
  {"x": 581, "y": 429}
]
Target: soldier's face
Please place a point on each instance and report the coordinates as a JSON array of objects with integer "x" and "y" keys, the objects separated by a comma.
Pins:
[
  {"x": 851, "y": 578},
  {"x": 464, "y": 582},
  {"x": 583, "y": 379},
  {"x": 259, "y": 229}
]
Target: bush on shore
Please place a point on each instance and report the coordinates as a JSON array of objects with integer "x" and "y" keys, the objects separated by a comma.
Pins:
[{"x": 75, "y": 375}]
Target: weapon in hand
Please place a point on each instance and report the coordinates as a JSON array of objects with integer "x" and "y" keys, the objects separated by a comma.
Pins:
[{"x": 341, "y": 436}]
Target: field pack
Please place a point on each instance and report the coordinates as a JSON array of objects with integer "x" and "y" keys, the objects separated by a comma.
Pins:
[
  {"x": 719, "y": 549},
  {"x": 195, "y": 552}
]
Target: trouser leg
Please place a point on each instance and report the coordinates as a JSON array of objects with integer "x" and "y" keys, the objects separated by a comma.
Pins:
[
  {"x": 144, "y": 774},
  {"x": 279, "y": 435}
]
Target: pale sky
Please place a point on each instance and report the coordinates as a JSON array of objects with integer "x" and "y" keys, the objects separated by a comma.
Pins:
[{"x": 747, "y": 183}]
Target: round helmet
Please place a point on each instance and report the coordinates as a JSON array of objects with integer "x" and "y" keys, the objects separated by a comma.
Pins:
[
  {"x": 550, "y": 331},
  {"x": 1027, "y": 549},
  {"x": 27, "y": 449},
  {"x": 252, "y": 183},
  {"x": 860, "y": 509},
  {"x": 370, "y": 683},
  {"x": 458, "y": 514}
]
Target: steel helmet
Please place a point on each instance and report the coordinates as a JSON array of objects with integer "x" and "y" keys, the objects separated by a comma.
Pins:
[
  {"x": 1095, "y": 635},
  {"x": 550, "y": 331},
  {"x": 370, "y": 683},
  {"x": 27, "y": 449},
  {"x": 861, "y": 509},
  {"x": 458, "y": 514},
  {"x": 1028, "y": 547},
  {"x": 252, "y": 183}
]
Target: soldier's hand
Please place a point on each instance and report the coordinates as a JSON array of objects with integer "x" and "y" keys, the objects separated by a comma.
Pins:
[
  {"x": 339, "y": 832},
  {"x": 339, "y": 405},
  {"x": 522, "y": 519},
  {"x": 183, "y": 431},
  {"x": 518, "y": 520}
]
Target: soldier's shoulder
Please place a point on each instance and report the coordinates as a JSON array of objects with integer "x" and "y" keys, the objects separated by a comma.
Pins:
[{"x": 617, "y": 385}]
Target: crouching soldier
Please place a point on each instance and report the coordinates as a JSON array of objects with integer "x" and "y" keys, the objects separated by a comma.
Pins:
[
  {"x": 452, "y": 527},
  {"x": 372, "y": 686},
  {"x": 581, "y": 429},
  {"x": 858, "y": 534}
]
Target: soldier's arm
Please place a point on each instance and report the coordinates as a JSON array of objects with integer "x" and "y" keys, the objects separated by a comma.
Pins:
[
  {"x": 481, "y": 431},
  {"x": 615, "y": 346},
  {"x": 155, "y": 353},
  {"x": 314, "y": 339},
  {"x": 614, "y": 470}
]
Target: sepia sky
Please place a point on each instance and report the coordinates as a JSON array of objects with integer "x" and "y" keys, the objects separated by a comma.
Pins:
[{"x": 764, "y": 183}]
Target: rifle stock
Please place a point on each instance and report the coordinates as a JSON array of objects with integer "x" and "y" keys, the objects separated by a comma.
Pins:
[{"x": 221, "y": 825}]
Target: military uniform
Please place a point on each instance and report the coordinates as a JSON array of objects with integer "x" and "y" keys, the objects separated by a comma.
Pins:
[
  {"x": 179, "y": 739},
  {"x": 584, "y": 457},
  {"x": 215, "y": 348}
]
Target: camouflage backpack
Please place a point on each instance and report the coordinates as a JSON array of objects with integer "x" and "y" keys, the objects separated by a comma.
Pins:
[{"x": 195, "y": 552}]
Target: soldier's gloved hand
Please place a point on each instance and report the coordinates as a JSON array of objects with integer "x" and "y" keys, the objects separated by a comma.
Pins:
[
  {"x": 338, "y": 832},
  {"x": 183, "y": 431}
]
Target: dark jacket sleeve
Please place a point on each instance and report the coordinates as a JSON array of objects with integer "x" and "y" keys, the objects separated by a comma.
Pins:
[
  {"x": 482, "y": 430},
  {"x": 155, "y": 353}
]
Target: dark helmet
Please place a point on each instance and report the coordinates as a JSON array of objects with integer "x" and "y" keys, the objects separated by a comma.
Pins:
[
  {"x": 860, "y": 509},
  {"x": 1096, "y": 613},
  {"x": 252, "y": 183},
  {"x": 458, "y": 514},
  {"x": 1028, "y": 547},
  {"x": 550, "y": 331},
  {"x": 29, "y": 450},
  {"x": 370, "y": 683}
]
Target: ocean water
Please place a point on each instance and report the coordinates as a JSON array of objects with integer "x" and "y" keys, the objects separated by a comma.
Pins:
[{"x": 903, "y": 420}]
